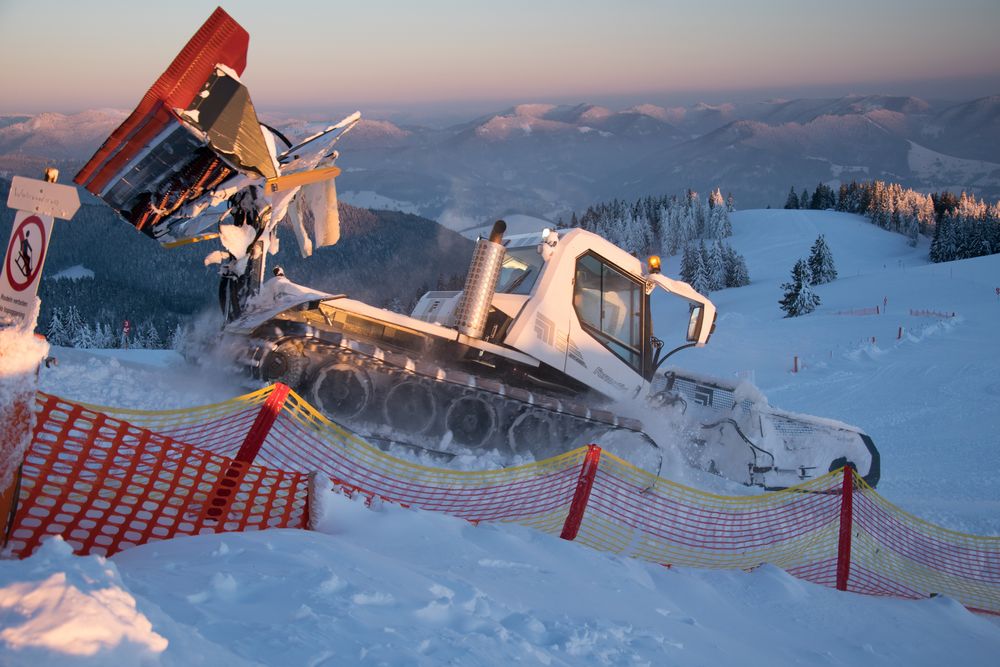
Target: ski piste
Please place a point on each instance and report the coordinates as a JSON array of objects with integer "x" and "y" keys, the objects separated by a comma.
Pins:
[{"x": 550, "y": 341}]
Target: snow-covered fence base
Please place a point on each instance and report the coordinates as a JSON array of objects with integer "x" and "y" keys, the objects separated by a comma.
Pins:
[{"x": 106, "y": 483}]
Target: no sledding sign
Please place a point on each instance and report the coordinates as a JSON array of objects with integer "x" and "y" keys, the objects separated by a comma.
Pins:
[
  {"x": 26, "y": 251},
  {"x": 22, "y": 266}
]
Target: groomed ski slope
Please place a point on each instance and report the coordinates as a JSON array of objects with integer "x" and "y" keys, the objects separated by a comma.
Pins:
[{"x": 394, "y": 586}]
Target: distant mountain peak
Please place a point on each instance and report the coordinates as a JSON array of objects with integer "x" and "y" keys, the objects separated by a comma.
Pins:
[
  {"x": 533, "y": 110},
  {"x": 725, "y": 108}
]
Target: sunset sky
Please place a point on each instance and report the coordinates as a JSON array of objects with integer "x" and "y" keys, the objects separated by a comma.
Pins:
[{"x": 387, "y": 56}]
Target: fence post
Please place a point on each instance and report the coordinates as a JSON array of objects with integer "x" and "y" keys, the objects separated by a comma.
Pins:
[
  {"x": 584, "y": 484},
  {"x": 846, "y": 520},
  {"x": 262, "y": 424},
  {"x": 268, "y": 414}
]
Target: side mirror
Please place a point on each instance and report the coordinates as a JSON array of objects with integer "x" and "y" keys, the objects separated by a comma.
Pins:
[{"x": 695, "y": 323}]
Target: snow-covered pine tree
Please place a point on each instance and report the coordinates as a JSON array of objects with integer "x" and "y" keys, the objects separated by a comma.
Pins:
[
  {"x": 805, "y": 198},
  {"x": 153, "y": 340},
  {"x": 842, "y": 196},
  {"x": 696, "y": 215},
  {"x": 799, "y": 298},
  {"x": 689, "y": 263},
  {"x": 717, "y": 267},
  {"x": 821, "y": 267},
  {"x": 703, "y": 250},
  {"x": 702, "y": 281},
  {"x": 83, "y": 337},
  {"x": 717, "y": 225},
  {"x": 726, "y": 229},
  {"x": 737, "y": 274},
  {"x": 102, "y": 337},
  {"x": 636, "y": 235},
  {"x": 792, "y": 201},
  {"x": 73, "y": 323},
  {"x": 178, "y": 338},
  {"x": 675, "y": 239},
  {"x": 56, "y": 333},
  {"x": 146, "y": 336}
]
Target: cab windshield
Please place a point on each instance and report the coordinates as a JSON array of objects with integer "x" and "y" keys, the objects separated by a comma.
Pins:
[{"x": 520, "y": 270}]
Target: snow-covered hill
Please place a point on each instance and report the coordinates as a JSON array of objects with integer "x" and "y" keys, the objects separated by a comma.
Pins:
[{"x": 395, "y": 586}]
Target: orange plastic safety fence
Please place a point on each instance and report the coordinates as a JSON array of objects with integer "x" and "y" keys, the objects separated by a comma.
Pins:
[
  {"x": 637, "y": 514},
  {"x": 895, "y": 553},
  {"x": 538, "y": 494},
  {"x": 105, "y": 484},
  {"x": 219, "y": 428}
]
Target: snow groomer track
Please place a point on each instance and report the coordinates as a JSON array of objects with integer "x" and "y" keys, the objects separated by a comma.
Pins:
[{"x": 108, "y": 479}]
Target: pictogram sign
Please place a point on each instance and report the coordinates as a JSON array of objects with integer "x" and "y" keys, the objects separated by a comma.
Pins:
[
  {"x": 22, "y": 265},
  {"x": 26, "y": 252}
]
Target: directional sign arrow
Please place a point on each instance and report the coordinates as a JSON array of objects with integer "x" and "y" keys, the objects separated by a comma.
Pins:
[{"x": 31, "y": 194}]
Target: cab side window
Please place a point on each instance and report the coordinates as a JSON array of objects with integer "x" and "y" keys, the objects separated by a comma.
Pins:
[{"x": 609, "y": 306}]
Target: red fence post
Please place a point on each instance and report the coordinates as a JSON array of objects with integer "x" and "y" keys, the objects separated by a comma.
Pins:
[
  {"x": 266, "y": 417},
  {"x": 588, "y": 471},
  {"x": 262, "y": 424},
  {"x": 846, "y": 519}
]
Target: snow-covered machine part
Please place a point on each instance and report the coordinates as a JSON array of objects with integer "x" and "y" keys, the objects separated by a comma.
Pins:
[
  {"x": 193, "y": 156},
  {"x": 567, "y": 355},
  {"x": 782, "y": 446},
  {"x": 480, "y": 284}
]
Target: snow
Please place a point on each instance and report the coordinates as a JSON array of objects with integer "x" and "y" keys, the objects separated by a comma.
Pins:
[
  {"x": 940, "y": 168},
  {"x": 388, "y": 585},
  {"x": 75, "y": 607},
  {"x": 136, "y": 379},
  {"x": 371, "y": 199},
  {"x": 76, "y": 272},
  {"x": 21, "y": 352}
]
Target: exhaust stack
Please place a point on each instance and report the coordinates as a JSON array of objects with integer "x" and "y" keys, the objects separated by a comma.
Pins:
[{"x": 480, "y": 284}]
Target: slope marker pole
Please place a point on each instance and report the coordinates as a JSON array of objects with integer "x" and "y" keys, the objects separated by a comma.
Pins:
[
  {"x": 588, "y": 471},
  {"x": 846, "y": 521}
]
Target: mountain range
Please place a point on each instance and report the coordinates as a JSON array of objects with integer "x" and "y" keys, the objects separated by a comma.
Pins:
[{"x": 548, "y": 160}]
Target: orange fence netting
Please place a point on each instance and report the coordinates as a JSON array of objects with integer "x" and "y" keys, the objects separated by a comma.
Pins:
[{"x": 105, "y": 485}]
